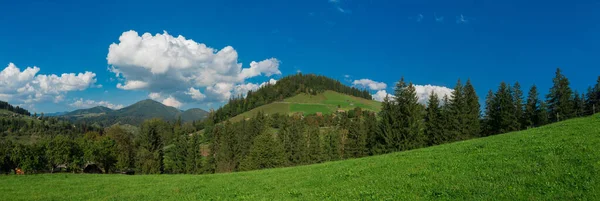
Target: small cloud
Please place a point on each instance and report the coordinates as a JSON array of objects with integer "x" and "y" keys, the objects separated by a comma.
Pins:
[
  {"x": 438, "y": 19},
  {"x": 347, "y": 76},
  {"x": 419, "y": 17},
  {"x": 461, "y": 19},
  {"x": 311, "y": 14},
  {"x": 343, "y": 10},
  {"x": 338, "y": 7},
  {"x": 370, "y": 84}
]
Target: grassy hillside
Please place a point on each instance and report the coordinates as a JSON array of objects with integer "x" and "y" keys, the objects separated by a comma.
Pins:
[
  {"x": 326, "y": 103},
  {"x": 555, "y": 162}
]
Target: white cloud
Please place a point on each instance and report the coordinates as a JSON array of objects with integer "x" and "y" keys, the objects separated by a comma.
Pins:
[
  {"x": 422, "y": 91},
  {"x": 27, "y": 87},
  {"x": 380, "y": 95},
  {"x": 154, "y": 96},
  {"x": 133, "y": 85},
  {"x": 195, "y": 94},
  {"x": 80, "y": 103},
  {"x": 367, "y": 83},
  {"x": 170, "y": 101},
  {"x": 181, "y": 68}
]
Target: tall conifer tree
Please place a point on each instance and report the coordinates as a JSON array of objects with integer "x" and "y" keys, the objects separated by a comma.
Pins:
[{"x": 560, "y": 102}]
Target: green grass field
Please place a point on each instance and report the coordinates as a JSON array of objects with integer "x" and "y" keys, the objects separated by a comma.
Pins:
[
  {"x": 556, "y": 162},
  {"x": 326, "y": 103}
]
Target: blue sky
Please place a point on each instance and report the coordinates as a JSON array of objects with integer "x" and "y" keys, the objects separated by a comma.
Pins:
[{"x": 427, "y": 42}]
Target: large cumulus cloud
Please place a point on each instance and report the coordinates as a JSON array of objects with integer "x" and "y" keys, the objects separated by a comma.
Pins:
[
  {"x": 182, "y": 69},
  {"x": 27, "y": 86}
]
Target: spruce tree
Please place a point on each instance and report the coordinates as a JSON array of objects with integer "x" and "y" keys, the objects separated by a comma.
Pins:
[
  {"x": 456, "y": 109},
  {"x": 472, "y": 112},
  {"x": 503, "y": 117},
  {"x": 411, "y": 115},
  {"x": 388, "y": 137},
  {"x": 559, "y": 100},
  {"x": 593, "y": 98},
  {"x": 543, "y": 115},
  {"x": 518, "y": 98},
  {"x": 579, "y": 104},
  {"x": 150, "y": 152},
  {"x": 446, "y": 119},
  {"x": 313, "y": 144},
  {"x": 434, "y": 129},
  {"x": 487, "y": 126},
  {"x": 266, "y": 152},
  {"x": 531, "y": 114}
]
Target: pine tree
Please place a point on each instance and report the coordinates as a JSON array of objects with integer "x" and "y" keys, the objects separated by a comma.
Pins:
[
  {"x": 313, "y": 144},
  {"x": 578, "y": 104},
  {"x": 446, "y": 118},
  {"x": 332, "y": 145},
  {"x": 543, "y": 115},
  {"x": 518, "y": 98},
  {"x": 434, "y": 130},
  {"x": 292, "y": 135},
  {"x": 531, "y": 114},
  {"x": 266, "y": 152},
  {"x": 593, "y": 98},
  {"x": 411, "y": 115},
  {"x": 489, "y": 112},
  {"x": 150, "y": 152},
  {"x": 456, "y": 112},
  {"x": 559, "y": 100},
  {"x": 388, "y": 136},
  {"x": 503, "y": 117},
  {"x": 371, "y": 130},
  {"x": 472, "y": 112}
]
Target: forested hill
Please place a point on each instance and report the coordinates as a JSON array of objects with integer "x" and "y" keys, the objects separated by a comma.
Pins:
[
  {"x": 284, "y": 88},
  {"x": 17, "y": 109},
  {"x": 134, "y": 114}
]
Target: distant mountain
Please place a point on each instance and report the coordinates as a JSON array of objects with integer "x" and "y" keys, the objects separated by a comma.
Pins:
[
  {"x": 54, "y": 114},
  {"x": 134, "y": 114},
  {"x": 193, "y": 114},
  {"x": 98, "y": 110}
]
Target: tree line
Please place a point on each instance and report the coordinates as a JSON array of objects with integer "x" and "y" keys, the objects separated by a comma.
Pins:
[
  {"x": 280, "y": 140},
  {"x": 17, "y": 109}
]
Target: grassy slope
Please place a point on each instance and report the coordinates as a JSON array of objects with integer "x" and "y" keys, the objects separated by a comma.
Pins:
[
  {"x": 325, "y": 103},
  {"x": 555, "y": 162}
]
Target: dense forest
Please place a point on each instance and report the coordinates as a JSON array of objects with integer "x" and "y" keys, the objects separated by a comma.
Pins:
[
  {"x": 218, "y": 145},
  {"x": 286, "y": 87},
  {"x": 9, "y": 107}
]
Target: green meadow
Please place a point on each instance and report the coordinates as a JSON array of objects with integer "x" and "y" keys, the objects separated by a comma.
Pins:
[{"x": 555, "y": 162}]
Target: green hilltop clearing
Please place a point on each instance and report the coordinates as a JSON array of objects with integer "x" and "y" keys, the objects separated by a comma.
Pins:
[
  {"x": 325, "y": 103},
  {"x": 554, "y": 162}
]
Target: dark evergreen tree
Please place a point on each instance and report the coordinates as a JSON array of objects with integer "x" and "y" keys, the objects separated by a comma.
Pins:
[
  {"x": 434, "y": 125},
  {"x": 519, "y": 110},
  {"x": 488, "y": 120},
  {"x": 578, "y": 104},
  {"x": 543, "y": 115},
  {"x": 456, "y": 110},
  {"x": 502, "y": 115},
  {"x": 471, "y": 112},
  {"x": 411, "y": 117},
  {"x": 559, "y": 100},
  {"x": 150, "y": 146},
  {"x": 592, "y": 101},
  {"x": 532, "y": 109},
  {"x": 266, "y": 152},
  {"x": 388, "y": 134}
]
